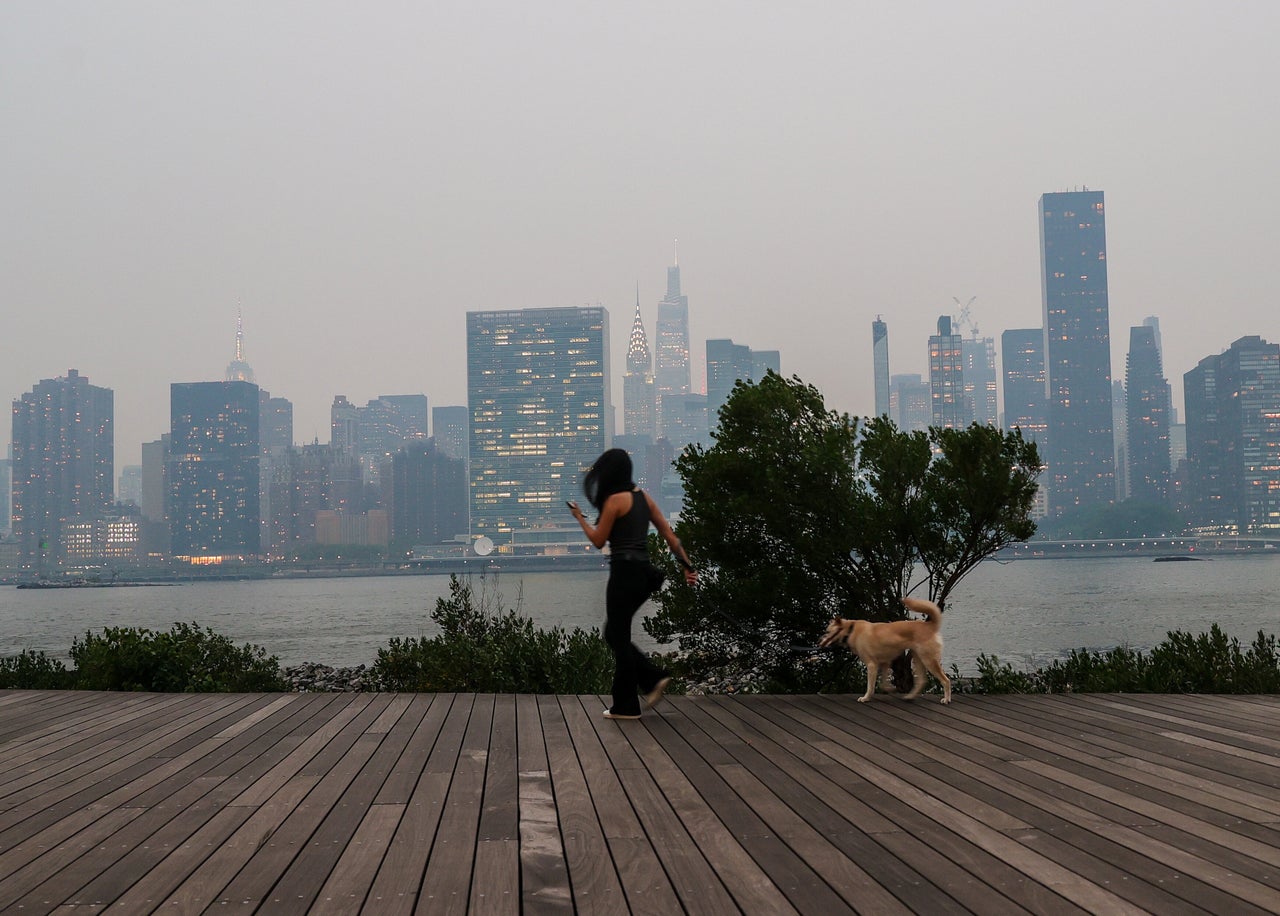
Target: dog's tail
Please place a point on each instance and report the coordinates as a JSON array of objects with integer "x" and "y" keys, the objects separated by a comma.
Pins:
[{"x": 928, "y": 608}]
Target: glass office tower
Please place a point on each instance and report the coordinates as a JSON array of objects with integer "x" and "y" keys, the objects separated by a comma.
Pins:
[
  {"x": 880, "y": 364},
  {"x": 63, "y": 468},
  {"x": 1077, "y": 333},
  {"x": 213, "y": 470},
  {"x": 539, "y": 400}
]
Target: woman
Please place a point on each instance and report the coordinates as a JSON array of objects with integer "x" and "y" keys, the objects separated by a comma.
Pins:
[{"x": 623, "y": 523}]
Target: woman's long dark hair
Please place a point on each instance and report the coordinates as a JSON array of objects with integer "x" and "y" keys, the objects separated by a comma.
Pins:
[{"x": 610, "y": 474}]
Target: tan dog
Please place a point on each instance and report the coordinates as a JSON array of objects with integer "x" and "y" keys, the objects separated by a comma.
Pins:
[{"x": 878, "y": 644}]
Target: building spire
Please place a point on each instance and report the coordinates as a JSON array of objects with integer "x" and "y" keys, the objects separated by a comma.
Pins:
[{"x": 239, "y": 370}]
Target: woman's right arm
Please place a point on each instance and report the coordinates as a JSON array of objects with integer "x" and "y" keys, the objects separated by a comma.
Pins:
[{"x": 664, "y": 528}]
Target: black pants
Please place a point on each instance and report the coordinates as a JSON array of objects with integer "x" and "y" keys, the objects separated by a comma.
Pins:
[{"x": 629, "y": 587}]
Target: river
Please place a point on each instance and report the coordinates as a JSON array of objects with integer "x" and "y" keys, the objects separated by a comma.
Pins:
[{"x": 1026, "y": 612}]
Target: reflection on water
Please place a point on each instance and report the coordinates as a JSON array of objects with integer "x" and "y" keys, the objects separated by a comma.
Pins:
[{"x": 1025, "y": 612}]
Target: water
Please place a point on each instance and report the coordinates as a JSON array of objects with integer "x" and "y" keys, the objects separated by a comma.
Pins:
[{"x": 1026, "y": 612}]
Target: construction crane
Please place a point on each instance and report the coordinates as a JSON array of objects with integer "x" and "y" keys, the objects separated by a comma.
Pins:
[{"x": 963, "y": 320}]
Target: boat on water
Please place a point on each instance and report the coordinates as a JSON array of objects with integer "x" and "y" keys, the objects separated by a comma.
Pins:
[{"x": 1180, "y": 558}]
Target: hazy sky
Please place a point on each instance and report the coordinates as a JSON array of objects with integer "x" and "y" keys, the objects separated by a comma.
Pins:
[{"x": 358, "y": 176}]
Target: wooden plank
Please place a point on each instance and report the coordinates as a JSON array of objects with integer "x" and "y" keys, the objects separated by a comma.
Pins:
[
  {"x": 544, "y": 874},
  {"x": 965, "y": 871},
  {"x": 446, "y": 884},
  {"x": 315, "y": 792},
  {"x": 495, "y": 879},
  {"x": 250, "y": 753},
  {"x": 1069, "y": 834},
  {"x": 345, "y": 889},
  {"x": 275, "y": 795},
  {"x": 398, "y": 883},
  {"x": 1082, "y": 892},
  {"x": 387, "y": 737},
  {"x": 691, "y": 877},
  {"x": 645, "y": 884},
  {"x": 778, "y": 840},
  {"x": 593, "y": 877},
  {"x": 749, "y": 887}
]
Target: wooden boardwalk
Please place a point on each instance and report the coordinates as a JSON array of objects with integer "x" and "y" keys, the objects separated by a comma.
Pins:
[{"x": 398, "y": 803}]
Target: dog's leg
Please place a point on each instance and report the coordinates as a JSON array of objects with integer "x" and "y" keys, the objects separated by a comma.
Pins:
[
  {"x": 917, "y": 669},
  {"x": 871, "y": 682},
  {"x": 935, "y": 668},
  {"x": 886, "y": 681}
]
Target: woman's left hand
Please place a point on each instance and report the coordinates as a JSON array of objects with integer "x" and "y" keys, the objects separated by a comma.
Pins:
[{"x": 691, "y": 576}]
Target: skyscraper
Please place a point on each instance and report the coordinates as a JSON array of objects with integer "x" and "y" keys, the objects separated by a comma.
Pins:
[
  {"x": 63, "y": 464},
  {"x": 729, "y": 363},
  {"x": 880, "y": 364},
  {"x": 214, "y": 470},
  {"x": 639, "y": 403},
  {"x": 978, "y": 364},
  {"x": 910, "y": 403},
  {"x": 951, "y": 409},
  {"x": 1233, "y": 439},
  {"x": 671, "y": 339},
  {"x": 1073, "y": 261},
  {"x": 1022, "y": 354},
  {"x": 538, "y": 394},
  {"x": 449, "y": 428},
  {"x": 1147, "y": 418}
]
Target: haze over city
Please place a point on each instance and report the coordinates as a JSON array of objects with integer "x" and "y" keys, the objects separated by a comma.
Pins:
[{"x": 357, "y": 178}]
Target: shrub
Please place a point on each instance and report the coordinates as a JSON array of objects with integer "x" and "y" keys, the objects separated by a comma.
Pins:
[
  {"x": 1207, "y": 663},
  {"x": 183, "y": 660},
  {"x": 34, "y": 671},
  {"x": 483, "y": 648}
]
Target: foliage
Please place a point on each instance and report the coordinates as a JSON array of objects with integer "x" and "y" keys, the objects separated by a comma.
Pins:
[
  {"x": 769, "y": 520},
  {"x": 183, "y": 660},
  {"x": 795, "y": 514},
  {"x": 1205, "y": 663},
  {"x": 482, "y": 647},
  {"x": 977, "y": 499},
  {"x": 34, "y": 671}
]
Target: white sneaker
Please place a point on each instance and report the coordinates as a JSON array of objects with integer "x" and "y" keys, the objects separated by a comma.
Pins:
[{"x": 610, "y": 714}]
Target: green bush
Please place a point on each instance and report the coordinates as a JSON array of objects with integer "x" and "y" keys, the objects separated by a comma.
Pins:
[
  {"x": 484, "y": 648},
  {"x": 183, "y": 660},
  {"x": 1207, "y": 663},
  {"x": 34, "y": 671}
]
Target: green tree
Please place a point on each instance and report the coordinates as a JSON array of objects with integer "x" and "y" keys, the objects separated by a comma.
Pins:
[
  {"x": 770, "y": 519},
  {"x": 794, "y": 513},
  {"x": 977, "y": 498}
]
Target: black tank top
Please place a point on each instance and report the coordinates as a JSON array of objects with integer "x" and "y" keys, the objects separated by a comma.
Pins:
[{"x": 631, "y": 531}]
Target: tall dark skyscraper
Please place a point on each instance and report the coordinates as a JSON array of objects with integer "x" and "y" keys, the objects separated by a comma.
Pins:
[
  {"x": 538, "y": 393},
  {"x": 880, "y": 364},
  {"x": 910, "y": 403},
  {"x": 671, "y": 372},
  {"x": 1077, "y": 330},
  {"x": 214, "y": 467},
  {"x": 449, "y": 429},
  {"x": 729, "y": 363},
  {"x": 978, "y": 363},
  {"x": 1147, "y": 409},
  {"x": 1233, "y": 439},
  {"x": 1022, "y": 355},
  {"x": 639, "y": 397},
  {"x": 63, "y": 464},
  {"x": 951, "y": 408}
]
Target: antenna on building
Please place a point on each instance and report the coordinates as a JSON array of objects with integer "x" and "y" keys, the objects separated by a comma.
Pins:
[{"x": 964, "y": 320}]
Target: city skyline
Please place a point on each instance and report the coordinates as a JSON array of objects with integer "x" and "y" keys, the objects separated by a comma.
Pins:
[{"x": 356, "y": 181}]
